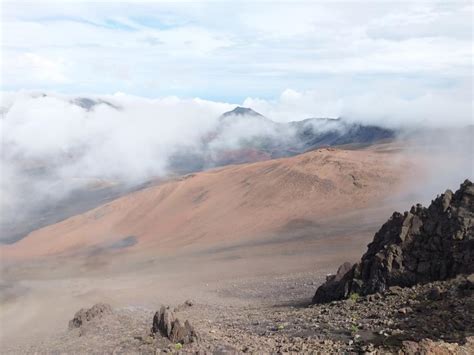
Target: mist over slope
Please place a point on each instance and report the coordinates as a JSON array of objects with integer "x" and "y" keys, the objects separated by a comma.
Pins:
[
  {"x": 224, "y": 206},
  {"x": 62, "y": 155},
  {"x": 244, "y": 135}
]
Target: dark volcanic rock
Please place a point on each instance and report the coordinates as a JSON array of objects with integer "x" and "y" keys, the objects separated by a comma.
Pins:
[
  {"x": 333, "y": 284},
  {"x": 86, "y": 315},
  {"x": 435, "y": 294},
  {"x": 162, "y": 322},
  {"x": 423, "y": 245},
  {"x": 167, "y": 325},
  {"x": 183, "y": 334}
]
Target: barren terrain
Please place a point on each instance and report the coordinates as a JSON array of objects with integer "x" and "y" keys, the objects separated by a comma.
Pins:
[
  {"x": 223, "y": 206},
  {"x": 238, "y": 240}
]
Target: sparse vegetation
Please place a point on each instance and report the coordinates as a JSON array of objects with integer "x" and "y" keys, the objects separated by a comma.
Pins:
[
  {"x": 354, "y": 328},
  {"x": 354, "y": 296}
]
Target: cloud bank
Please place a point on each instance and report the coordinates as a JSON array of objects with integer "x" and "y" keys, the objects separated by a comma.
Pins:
[
  {"x": 51, "y": 145},
  {"x": 226, "y": 51},
  {"x": 54, "y": 145}
]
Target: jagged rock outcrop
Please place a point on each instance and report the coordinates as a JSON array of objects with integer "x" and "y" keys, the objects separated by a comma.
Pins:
[
  {"x": 86, "y": 315},
  {"x": 165, "y": 323},
  {"x": 422, "y": 245}
]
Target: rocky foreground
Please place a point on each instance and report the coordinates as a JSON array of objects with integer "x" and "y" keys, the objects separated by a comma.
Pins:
[
  {"x": 434, "y": 317},
  {"x": 412, "y": 292}
]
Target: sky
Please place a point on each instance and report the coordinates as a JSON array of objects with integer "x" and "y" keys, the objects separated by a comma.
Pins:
[
  {"x": 319, "y": 58},
  {"x": 174, "y": 67}
]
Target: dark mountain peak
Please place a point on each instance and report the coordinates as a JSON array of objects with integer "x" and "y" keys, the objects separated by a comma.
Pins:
[
  {"x": 241, "y": 111},
  {"x": 89, "y": 104}
]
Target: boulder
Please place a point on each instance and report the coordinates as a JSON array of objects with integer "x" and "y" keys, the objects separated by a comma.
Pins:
[
  {"x": 435, "y": 294},
  {"x": 419, "y": 246},
  {"x": 84, "y": 316},
  {"x": 165, "y": 323},
  {"x": 333, "y": 285}
]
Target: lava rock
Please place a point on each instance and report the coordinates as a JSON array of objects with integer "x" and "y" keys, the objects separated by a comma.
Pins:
[
  {"x": 165, "y": 323},
  {"x": 86, "y": 315},
  {"x": 434, "y": 294},
  {"x": 419, "y": 246}
]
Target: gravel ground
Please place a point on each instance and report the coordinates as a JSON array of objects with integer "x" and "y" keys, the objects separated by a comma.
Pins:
[{"x": 276, "y": 317}]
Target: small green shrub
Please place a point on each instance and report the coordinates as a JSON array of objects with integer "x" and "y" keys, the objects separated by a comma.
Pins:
[
  {"x": 354, "y": 296},
  {"x": 354, "y": 328},
  {"x": 178, "y": 346}
]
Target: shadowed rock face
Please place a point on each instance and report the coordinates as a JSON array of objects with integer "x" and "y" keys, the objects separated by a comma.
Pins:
[
  {"x": 165, "y": 323},
  {"x": 423, "y": 245}
]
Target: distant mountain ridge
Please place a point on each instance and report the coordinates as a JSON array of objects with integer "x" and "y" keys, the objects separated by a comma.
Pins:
[
  {"x": 241, "y": 135},
  {"x": 241, "y": 111},
  {"x": 89, "y": 104},
  {"x": 256, "y": 138},
  {"x": 316, "y": 132}
]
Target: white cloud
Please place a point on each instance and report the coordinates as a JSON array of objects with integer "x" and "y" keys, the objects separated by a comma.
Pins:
[
  {"x": 233, "y": 50},
  {"x": 35, "y": 69},
  {"x": 50, "y": 146},
  {"x": 437, "y": 108}
]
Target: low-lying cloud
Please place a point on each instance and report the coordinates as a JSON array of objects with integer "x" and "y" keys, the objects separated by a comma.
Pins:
[
  {"x": 450, "y": 107},
  {"x": 53, "y": 145}
]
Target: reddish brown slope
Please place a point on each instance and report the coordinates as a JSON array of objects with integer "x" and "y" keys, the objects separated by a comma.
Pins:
[{"x": 224, "y": 205}]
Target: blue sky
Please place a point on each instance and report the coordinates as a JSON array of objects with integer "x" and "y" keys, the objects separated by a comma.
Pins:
[{"x": 241, "y": 51}]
